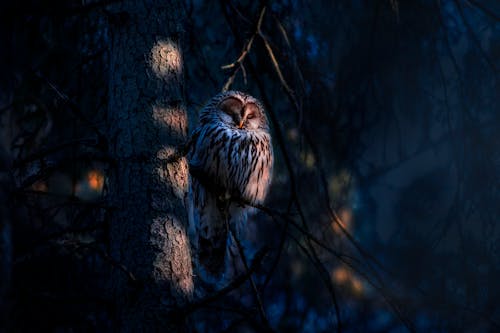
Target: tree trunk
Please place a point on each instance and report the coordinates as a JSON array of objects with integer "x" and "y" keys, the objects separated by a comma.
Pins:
[{"x": 147, "y": 120}]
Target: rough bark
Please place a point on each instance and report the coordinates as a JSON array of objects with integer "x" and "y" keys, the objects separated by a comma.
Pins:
[{"x": 147, "y": 120}]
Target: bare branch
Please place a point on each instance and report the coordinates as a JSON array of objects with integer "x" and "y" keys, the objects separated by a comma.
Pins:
[{"x": 246, "y": 50}]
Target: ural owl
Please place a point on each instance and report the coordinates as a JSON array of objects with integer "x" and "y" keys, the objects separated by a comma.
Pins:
[{"x": 231, "y": 156}]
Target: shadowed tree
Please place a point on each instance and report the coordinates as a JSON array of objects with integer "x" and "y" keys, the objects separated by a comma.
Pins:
[
  {"x": 147, "y": 119},
  {"x": 383, "y": 207}
]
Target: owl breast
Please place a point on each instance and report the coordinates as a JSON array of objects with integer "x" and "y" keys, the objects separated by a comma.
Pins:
[{"x": 238, "y": 161}]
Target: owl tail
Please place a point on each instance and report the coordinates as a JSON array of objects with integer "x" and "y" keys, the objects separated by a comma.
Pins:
[
  {"x": 212, "y": 253},
  {"x": 210, "y": 224},
  {"x": 208, "y": 232}
]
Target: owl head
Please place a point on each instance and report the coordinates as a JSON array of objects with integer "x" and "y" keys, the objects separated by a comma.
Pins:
[{"x": 235, "y": 110}]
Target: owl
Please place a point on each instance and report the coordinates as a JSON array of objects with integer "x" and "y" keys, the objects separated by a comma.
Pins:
[{"x": 230, "y": 158}]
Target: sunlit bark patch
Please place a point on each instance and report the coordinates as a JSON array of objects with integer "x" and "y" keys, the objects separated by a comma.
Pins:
[
  {"x": 166, "y": 153},
  {"x": 165, "y": 59},
  {"x": 177, "y": 173},
  {"x": 173, "y": 119},
  {"x": 168, "y": 234}
]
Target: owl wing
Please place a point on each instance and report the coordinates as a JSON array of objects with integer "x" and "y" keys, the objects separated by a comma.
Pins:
[
  {"x": 208, "y": 227},
  {"x": 208, "y": 230}
]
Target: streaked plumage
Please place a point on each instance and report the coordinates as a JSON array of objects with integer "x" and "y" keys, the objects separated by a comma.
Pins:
[{"x": 231, "y": 156}]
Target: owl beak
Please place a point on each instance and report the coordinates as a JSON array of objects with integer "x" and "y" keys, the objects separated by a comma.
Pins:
[{"x": 240, "y": 126}]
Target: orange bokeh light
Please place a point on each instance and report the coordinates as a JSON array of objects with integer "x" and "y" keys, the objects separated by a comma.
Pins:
[
  {"x": 340, "y": 275},
  {"x": 356, "y": 285},
  {"x": 40, "y": 186},
  {"x": 95, "y": 180},
  {"x": 346, "y": 278}
]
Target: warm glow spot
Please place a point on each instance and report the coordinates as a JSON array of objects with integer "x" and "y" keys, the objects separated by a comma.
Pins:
[
  {"x": 340, "y": 184},
  {"x": 346, "y": 278},
  {"x": 40, "y": 186},
  {"x": 356, "y": 285},
  {"x": 346, "y": 220},
  {"x": 341, "y": 275},
  {"x": 165, "y": 59},
  {"x": 95, "y": 180}
]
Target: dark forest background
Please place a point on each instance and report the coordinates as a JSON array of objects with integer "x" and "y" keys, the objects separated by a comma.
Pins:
[{"x": 383, "y": 212}]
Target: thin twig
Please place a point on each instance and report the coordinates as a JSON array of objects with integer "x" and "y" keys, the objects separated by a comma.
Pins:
[
  {"x": 276, "y": 66},
  {"x": 238, "y": 64}
]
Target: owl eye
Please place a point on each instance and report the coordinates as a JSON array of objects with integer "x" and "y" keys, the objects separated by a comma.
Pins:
[
  {"x": 230, "y": 105},
  {"x": 251, "y": 110}
]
